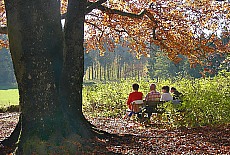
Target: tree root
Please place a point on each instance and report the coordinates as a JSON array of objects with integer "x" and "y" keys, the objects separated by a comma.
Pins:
[
  {"x": 12, "y": 140},
  {"x": 9, "y": 144}
]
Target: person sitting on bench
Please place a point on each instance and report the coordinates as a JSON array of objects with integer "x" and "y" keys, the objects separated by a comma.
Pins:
[
  {"x": 153, "y": 95},
  {"x": 166, "y": 96},
  {"x": 133, "y": 96},
  {"x": 176, "y": 95}
]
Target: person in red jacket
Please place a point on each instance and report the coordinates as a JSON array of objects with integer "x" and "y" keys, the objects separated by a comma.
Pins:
[{"x": 135, "y": 95}]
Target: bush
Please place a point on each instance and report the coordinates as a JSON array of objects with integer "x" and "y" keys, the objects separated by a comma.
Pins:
[
  {"x": 205, "y": 101},
  {"x": 12, "y": 108}
]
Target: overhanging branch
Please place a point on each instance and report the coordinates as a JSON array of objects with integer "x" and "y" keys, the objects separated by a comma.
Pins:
[
  {"x": 102, "y": 32},
  {"x": 89, "y": 8},
  {"x": 122, "y": 13},
  {"x": 94, "y": 25},
  {"x": 131, "y": 15},
  {"x": 95, "y": 5}
]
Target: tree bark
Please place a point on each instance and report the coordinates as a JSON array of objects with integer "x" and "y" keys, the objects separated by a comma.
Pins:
[
  {"x": 73, "y": 71},
  {"x": 49, "y": 82},
  {"x": 36, "y": 44}
]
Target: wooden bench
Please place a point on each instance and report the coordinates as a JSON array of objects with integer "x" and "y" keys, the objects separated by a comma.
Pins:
[
  {"x": 151, "y": 107},
  {"x": 137, "y": 106},
  {"x": 157, "y": 107},
  {"x": 141, "y": 108}
]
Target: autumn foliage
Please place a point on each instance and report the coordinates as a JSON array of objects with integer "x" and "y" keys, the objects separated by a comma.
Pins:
[{"x": 190, "y": 28}]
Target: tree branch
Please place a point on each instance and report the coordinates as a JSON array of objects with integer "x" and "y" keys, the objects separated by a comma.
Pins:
[
  {"x": 94, "y": 25},
  {"x": 120, "y": 31},
  {"x": 94, "y": 15},
  {"x": 132, "y": 15},
  {"x": 89, "y": 8},
  {"x": 92, "y": 6},
  {"x": 122, "y": 13},
  {"x": 3, "y": 30},
  {"x": 102, "y": 32}
]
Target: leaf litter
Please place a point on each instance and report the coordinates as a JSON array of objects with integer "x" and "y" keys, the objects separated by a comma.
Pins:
[{"x": 135, "y": 138}]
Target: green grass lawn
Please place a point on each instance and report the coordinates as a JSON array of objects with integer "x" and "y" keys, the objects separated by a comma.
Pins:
[{"x": 9, "y": 97}]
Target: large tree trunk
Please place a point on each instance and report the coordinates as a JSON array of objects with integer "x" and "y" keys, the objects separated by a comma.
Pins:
[
  {"x": 72, "y": 79},
  {"x": 35, "y": 38},
  {"x": 50, "y": 92}
]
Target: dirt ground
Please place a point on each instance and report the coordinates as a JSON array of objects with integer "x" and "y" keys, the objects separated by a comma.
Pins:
[{"x": 134, "y": 138}]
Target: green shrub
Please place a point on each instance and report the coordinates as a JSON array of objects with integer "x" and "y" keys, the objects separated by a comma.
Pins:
[
  {"x": 12, "y": 108},
  {"x": 205, "y": 101}
]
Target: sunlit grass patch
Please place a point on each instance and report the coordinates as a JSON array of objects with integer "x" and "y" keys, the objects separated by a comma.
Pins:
[{"x": 9, "y": 97}]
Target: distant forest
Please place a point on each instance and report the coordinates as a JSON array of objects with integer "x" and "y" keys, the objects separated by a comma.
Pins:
[{"x": 123, "y": 64}]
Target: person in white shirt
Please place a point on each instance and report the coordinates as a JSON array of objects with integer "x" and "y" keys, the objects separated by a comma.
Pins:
[{"x": 166, "y": 96}]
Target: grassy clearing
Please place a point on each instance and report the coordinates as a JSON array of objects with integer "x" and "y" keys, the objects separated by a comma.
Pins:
[{"x": 9, "y": 97}]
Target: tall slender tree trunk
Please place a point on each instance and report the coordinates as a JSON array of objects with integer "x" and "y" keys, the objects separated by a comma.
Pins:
[
  {"x": 108, "y": 72},
  {"x": 89, "y": 73},
  {"x": 112, "y": 71},
  {"x": 138, "y": 74},
  {"x": 92, "y": 71},
  {"x": 100, "y": 72},
  {"x": 97, "y": 71},
  {"x": 124, "y": 71},
  {"x": 105, "y": 66},
  {"x": 132, "y": 71},
  {"x": 118, "y": 71}
]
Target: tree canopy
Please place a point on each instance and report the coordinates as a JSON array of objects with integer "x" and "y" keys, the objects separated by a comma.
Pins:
[{"x": 191, "y": 28}]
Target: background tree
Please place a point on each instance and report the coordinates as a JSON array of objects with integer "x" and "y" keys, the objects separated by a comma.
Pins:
[
  {"x": 161, "y": 67},
  {"x": 115, "y": 65},
  {"x": 48, "y": 59}
]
